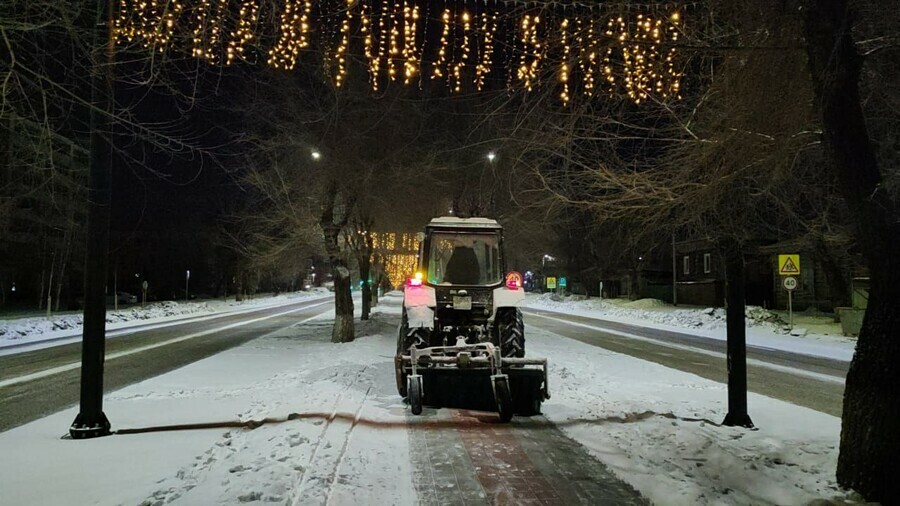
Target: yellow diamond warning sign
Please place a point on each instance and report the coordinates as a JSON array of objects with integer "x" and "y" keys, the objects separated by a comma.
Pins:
[{"x": 788, "y": 265}]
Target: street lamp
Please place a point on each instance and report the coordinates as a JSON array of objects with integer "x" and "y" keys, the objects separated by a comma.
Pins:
[
  {"x": 491, "y": 156},
  {"x": 315, "y": 154}
]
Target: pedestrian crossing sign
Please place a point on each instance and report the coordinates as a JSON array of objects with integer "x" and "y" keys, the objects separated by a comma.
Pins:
[{"x": 788, "y": 265}]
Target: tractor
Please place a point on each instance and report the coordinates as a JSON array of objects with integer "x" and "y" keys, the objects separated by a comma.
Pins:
[{"x": 461, "y": 341}]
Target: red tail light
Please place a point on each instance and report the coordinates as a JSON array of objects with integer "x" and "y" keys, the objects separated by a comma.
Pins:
[
  {"x": 514, "y": 280},
  {"x": 416, "y": 280}
]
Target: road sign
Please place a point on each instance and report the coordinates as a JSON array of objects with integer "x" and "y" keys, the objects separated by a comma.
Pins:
[
  {"x": 790, "y": 283},
  {"x": 788, "y": 265},
  {"x": 562, "y": 282},
  {"x": 551, "y": 283}
]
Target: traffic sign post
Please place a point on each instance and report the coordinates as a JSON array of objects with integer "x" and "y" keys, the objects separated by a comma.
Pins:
[
  {"x": 790, "y": 284},
  {"x": 789, "y": 265},
  {"x": 551, "y": 283}
]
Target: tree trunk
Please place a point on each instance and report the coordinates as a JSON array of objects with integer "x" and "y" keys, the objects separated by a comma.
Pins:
[
  {"x": 343, "y": 331},
  {"x": 364, "y": 270},
  {"x": 870, "y": 431},
  {"x": 736, "y": 330}
]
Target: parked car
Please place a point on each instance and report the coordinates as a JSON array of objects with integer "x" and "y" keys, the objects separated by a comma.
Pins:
[{"x": 122, "y": 298}]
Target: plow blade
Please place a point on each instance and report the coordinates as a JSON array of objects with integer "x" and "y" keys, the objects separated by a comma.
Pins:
[{"x": 472, "y": 389}]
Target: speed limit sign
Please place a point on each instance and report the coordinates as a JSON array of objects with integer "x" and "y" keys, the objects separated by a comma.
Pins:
[{"x": 790, "y": 283}]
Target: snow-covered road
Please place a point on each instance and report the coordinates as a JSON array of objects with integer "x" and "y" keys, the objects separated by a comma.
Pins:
[{"x": 341, "y": 434}]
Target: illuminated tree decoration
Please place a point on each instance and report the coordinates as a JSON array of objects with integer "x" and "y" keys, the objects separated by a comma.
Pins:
[
  {"x": 244, "y": 33},
  {"x": 465, "y": 49},
  {"x": 588, "y": 56},
  {"x": 396, "y": 21},
  {"x": 630, "y": 55},
  {"x": 531, "y": 52},
  {"x": 151, "y": 23},
  {"x": 489, "y": 32},
  {"x": 564, "y": 66},
  {"x": 384, "y": 37},
  {"x": 442, "y": 59},
  {"x": 209, "y": 21},
  {"x": 410, "y": 49},
  {"x": 343, "y": 47},
  {"x": 369, "y": 44},
  {"x": 294, "y": 34}
]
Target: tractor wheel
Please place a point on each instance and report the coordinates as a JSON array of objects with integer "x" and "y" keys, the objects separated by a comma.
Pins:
[
  {"x": 415, "y": 394},
  {"x": 405, "y": 340},
  {"x": 504, "y": 398},
  {"x": 510, "y": 332}
]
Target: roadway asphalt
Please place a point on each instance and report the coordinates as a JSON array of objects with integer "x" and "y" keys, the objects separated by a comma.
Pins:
[{"x": 813, "y": 382}]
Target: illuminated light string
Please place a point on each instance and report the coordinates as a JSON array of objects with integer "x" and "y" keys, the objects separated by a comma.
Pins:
[
  {"x": 460, "y": 64},
  {"x": 587, "y": 56},
  {"x": 564, "y": 66},
  {"x": 410, "y": 49},
  {"x": 442, "y": 60},
  {"x": 343, "y": 47},
  {"x": 530, "y": 62},
  {"x": 366, "y": 29},
  {"x": 638, "y": 58},
  {"x": 294, "y": 34},
  {"x": 396, "y": 21},
  {"x": 489, "y": 32},
  {"x": 244, "y": 33}
]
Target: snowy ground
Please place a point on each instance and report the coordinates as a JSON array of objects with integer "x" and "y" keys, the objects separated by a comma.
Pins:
[
  {"x": 765, "y": 329},
  {"x": 21, "y": 332},
  {"x": 347, "y": 441}
]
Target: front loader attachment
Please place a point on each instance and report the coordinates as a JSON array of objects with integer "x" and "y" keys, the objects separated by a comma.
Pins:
[{"x": 473, "y": 376}]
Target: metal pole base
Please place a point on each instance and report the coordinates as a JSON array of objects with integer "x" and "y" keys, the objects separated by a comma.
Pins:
[
  {"x": 89, "y": 427},
  {"x": 743, "y": 420}
]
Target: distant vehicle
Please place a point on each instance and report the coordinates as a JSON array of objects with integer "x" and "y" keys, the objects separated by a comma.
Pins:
[{"x": 125, "y": 298}]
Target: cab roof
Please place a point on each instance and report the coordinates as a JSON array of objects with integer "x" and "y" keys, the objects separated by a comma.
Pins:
[{"x": 454, "y": 222}]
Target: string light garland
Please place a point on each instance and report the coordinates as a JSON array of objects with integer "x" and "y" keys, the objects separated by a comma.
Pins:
[
  {"x": 633, "y": 56},
  {"x": 442, "y": 61},
  {"x": 489, "y": 32},
  {"x": 369, "y": 44},
  {"x": 244, "y": 33},
  {"x": 341, "y": 52},
  {"x": 396, "y": 16},
  {"x": 294, "y": 34},
  {"x": 383, "y": 19},
  {"x": 564, "y": 66},
  {"x": 460, "y": 65},
  {"x": 530, "y": 61},
  {"x": 410, "y": 49}
]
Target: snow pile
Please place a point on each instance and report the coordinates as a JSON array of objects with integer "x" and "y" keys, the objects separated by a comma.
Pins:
[
  {"x": 654, "y": 311},
  {"x": 25, "y": 327},
  {"x": 34, "y": 329}
]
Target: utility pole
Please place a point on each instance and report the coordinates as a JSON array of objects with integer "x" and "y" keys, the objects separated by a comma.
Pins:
[
  {"x": 674, "y": 273},
  {"x": 736, "y": 346},
  {"x": 91, "y": 422}
]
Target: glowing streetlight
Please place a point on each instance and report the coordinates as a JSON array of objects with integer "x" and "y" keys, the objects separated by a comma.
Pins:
[
  {"x": 491, "y": 156},
  {"x": 315, "y": 154}
]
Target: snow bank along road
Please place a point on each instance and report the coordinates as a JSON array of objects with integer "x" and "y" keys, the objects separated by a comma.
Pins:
[
  {"x": 813, "y": 382},
  {"x": 36, "y": 383}
]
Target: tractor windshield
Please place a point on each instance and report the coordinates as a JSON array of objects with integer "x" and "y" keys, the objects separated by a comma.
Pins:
[{"x": 464, "y": 258}]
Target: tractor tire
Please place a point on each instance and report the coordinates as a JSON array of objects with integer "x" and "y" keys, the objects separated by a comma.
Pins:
[
  {"x": 509, "y": 332},
  {"x": 415, "y": 394},
  {"x": 504, "y": 399},
  {"x": 405, "y": 340}
]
